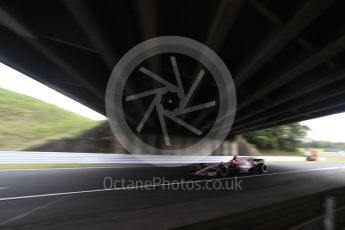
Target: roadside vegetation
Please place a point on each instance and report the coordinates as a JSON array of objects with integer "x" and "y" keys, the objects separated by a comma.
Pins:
[
  {"x": 330, "y": 146},
  {"x": 282, "y": 140},
  {"x": 26, "y": 122}
]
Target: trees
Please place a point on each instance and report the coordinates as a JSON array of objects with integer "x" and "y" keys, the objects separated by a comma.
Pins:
[
  {"x": 285, "y": 137},
  {"x": 324, "y": 145}
]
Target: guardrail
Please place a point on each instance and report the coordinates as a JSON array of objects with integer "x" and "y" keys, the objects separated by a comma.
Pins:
[
  {"x": 323, "y": 210},
  {"x": 60, "y": 157}
]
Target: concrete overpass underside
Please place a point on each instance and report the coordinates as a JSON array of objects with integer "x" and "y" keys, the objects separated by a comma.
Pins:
[{"x": 286, "y": 57}]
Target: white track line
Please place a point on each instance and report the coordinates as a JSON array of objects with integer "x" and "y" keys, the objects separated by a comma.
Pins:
[
  {"x": 53, "y": 194},
  {"x": 133, "y": 166},
  {"x": 4, "y": 188},
  {"x": 105, "y": 167},
  {"x": 27, "y": 213},
  {"x": 161, "y": 185}
]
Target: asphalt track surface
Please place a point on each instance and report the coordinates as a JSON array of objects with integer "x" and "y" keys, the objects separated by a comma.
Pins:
[{"x": 76, "y": 198}]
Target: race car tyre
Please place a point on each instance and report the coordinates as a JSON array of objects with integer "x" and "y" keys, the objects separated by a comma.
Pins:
[
  {"x": 262, "y": 168},
  {"x": 222, "y": 170}
]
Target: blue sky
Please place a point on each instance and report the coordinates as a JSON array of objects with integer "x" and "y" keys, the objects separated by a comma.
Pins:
[{"x": 330, "y": 128}]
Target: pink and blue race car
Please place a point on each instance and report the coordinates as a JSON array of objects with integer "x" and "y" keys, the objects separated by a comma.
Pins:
[{"x": 236, "y": 165}]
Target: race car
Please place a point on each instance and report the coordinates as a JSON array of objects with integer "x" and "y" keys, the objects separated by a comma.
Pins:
[{"x": 236, "y": 165}]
